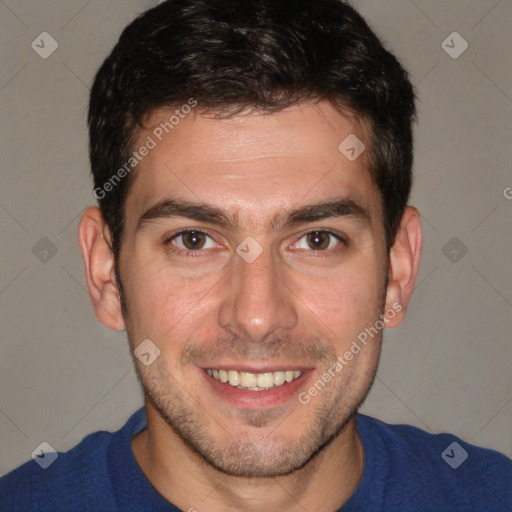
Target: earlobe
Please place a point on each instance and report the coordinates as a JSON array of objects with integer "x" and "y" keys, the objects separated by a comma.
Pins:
[
  {"x": 93, "y": 237},
  {"x": 404, "y": 261}
]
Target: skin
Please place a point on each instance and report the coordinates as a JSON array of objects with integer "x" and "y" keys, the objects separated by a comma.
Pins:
[{"x": 300, "y": 303}]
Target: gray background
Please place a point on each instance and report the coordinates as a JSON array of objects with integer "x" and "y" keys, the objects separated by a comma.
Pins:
[{"x": 63, "y": 375}]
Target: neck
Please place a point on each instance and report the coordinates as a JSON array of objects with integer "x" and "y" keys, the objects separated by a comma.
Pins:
[{"x": 184, "y": 479}]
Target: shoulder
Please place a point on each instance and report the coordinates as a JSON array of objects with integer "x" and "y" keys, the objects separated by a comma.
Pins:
[
  {"x": 77, "y": 476},
  {"x": 441, "y": 469}
]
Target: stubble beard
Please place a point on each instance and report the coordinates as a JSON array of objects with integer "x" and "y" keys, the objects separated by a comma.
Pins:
[{"x": 262, "y": 455}]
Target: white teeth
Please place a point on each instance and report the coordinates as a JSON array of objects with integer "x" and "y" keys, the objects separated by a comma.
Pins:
[
  {"x": 265, "y": 380},
  {"x": 279, "y": 378},
  {"x": 254, "y": 381},
  {"x": 234, "y": 377},
  {"x": 248, "y": 380}
]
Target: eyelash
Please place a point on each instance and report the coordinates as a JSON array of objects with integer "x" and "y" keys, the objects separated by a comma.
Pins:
[
  {"x": 197, "y": 253},
  {"x": 320, "y": 253},
  {"x": 181, "y": 252}
]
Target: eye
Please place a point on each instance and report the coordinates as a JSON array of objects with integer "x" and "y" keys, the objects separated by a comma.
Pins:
[
  {"x": 319, "y": 240},
  {"x": 191, "y": 240}
]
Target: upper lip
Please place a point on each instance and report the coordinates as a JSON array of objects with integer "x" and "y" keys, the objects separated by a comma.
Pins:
[{"x": 244, "y": 367}]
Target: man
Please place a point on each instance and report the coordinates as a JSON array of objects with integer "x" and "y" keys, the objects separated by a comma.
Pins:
[{"x": 252, "y": 162}]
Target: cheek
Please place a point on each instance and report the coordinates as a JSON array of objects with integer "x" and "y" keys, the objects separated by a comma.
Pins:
[
  {"x": 163, "y": 304},
  {"x": 348, "y": 302}
]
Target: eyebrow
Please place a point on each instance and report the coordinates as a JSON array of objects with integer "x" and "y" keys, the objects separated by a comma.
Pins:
[{"x": 171, "y": 208}]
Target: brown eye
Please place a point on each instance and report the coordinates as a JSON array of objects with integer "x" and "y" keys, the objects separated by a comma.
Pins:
[
  {"x": 319, "y": 240},
  {"x": 192, "y": 240}
]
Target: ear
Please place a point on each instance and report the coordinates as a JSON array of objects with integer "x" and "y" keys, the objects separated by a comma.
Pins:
[
  {"x": 404, "y": 261},
  {"x": 95, "y": 243}
]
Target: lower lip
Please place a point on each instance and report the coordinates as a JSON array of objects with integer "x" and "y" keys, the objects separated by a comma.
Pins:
[{"x": 258, "y": 399}]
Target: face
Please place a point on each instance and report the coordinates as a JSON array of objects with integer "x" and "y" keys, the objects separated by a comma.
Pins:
[{"x": 254, "y": 253}]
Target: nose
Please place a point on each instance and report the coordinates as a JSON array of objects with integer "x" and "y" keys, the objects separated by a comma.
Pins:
[{"x": 256, "y": 300}]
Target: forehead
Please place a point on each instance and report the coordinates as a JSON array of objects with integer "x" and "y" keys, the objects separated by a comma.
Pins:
[{"x": 251, "y": 162}]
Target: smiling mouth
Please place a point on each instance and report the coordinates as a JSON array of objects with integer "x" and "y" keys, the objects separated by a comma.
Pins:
[{"x": 254, "y": 381}]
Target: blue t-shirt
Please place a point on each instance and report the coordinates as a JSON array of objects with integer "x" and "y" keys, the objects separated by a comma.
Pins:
[{"x": 405, "y": 469}]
